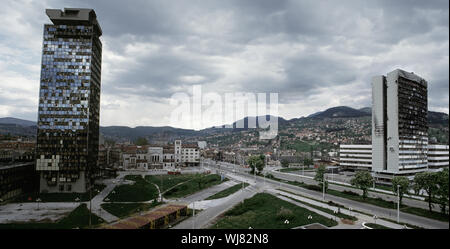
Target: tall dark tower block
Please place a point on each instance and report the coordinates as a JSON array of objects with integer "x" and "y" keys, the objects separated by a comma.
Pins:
[{"x": 69, "y": 101}]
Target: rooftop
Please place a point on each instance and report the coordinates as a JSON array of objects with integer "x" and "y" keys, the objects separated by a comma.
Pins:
[{"x": 74, "y": 16}]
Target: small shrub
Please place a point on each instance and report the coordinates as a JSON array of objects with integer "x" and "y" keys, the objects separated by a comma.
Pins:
[
  {"x": 350, "y": 193},
  {"x": 314, "y": 187},
  {"x": 285, "y": 214}
]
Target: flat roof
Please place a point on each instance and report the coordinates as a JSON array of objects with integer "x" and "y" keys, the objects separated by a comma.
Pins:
[{"x": 74, "y": 16}]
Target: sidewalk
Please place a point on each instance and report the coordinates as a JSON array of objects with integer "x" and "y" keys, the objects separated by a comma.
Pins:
[{"x": 361, "y": 217}]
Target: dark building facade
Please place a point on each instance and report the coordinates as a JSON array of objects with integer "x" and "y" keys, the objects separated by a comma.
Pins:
[
  {"x": 16, "y": 180},
  {"x": 69, "y": 101}
]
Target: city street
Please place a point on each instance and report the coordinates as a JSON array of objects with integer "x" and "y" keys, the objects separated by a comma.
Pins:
[{"x": 366, "y": 208}]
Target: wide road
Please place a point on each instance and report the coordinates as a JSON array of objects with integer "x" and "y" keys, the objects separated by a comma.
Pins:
[
  {"x": 307, "y": 180},
  {"x": 364, "y": 207},
  {"x": 205, "y": 218}
]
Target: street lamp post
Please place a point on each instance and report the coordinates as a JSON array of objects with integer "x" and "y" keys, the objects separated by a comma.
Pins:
[
  {"x": 254, "y": 171},
  {"x": 90, "y": 205},
  {"x": 38, "y": 200},
  {"x": 193, "y": 215},
  {"x": 398, "y": 203},
  {"x": 323, "y": 188}
]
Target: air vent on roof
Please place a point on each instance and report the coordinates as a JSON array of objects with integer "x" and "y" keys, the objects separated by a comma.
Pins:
[{"x": 71, "y": 12}]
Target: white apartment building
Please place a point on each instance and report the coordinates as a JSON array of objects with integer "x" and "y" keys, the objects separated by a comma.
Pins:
[
  {"x": 355, "y": 156},
  {"x": 438, "y": 157},
  {"x": 359, "y": 157}
]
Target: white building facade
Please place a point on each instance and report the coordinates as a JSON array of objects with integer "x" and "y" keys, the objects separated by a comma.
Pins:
[
  {"x": 359, "y": 157},
  {"x": 158, "y": 157},
  {"x": 355, "y": 156}
]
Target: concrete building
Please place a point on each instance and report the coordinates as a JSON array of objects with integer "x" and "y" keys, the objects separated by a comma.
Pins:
[
  {"x": 438, "y": 157},
  {"x": 355, "y": 157},
  {"x": 158, "y": 157},
  {"x": 69, "y": 101},
  {"x": 399, "y": 124},
  {"x": 17, "y": 179}
]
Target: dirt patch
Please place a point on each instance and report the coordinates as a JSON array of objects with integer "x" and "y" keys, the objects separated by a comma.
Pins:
[{"x": 348, "y": 222}]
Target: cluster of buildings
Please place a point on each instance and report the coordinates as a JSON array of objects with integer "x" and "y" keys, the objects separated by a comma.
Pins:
[
  {"x": 146, "y": 157},
  {"x": 399, "y": 131},
  {"x": 16, "y": 151}
]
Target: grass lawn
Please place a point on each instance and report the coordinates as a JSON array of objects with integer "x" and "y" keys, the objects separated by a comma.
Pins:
[
  {"x": 376, "y": 226},
  {"x": 61, "y": 197},
  {"x": 165, "y": 182},
  {"x": 140, "y": 191},
  {"x": 265, "y": 211},
  {"x": 375, "y": 201},
  {"x": 123, "y": 210},
  {"x": 227, "y": 192},
  {"x": 78, "y": 218},
  {"x": 199, "y": 182},
  {"x": 326, "y": 210}
]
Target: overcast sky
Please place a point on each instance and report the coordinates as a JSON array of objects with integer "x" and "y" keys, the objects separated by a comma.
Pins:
[{"x": 314, "y": 54}]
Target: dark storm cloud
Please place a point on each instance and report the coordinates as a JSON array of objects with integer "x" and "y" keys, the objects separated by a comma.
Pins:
[
  {"x": 301, "y": 49},
  {"x": 358, "y": 28}
]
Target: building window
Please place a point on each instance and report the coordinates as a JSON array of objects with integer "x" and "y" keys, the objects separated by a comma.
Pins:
[
  {"x": 61, "y": 188},
  {"x": 69, "y": 187}
]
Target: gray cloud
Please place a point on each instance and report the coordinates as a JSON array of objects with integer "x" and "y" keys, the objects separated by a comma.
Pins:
[{"x": 313, "y": 53}]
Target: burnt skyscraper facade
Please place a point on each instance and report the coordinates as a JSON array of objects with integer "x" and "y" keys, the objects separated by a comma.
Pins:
[
  {"x": 69, "y": 101},
  {"x": 399, "y": 124}
]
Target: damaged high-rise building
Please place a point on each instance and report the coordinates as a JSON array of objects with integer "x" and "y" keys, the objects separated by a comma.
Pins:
[
  {"x": 399, "y": 125},
  {"x": 69, "y": 101}
]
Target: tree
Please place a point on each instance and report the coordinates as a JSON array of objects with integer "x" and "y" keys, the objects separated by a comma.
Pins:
[
  {"x": 141, "y": 141},
  {"x": 362, "y": 180},
  {"x": 284, "y": 163},
  {"x": 307, "y": 162},
  {"x": 443, "y": 187},
  {"x": 256, "y": 161},
  {"x": 403, "y": 181},
  {"x": 319, "y": 177},
  {"x": 428, "y": 182}
]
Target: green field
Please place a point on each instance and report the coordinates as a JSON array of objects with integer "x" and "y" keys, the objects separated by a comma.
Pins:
[
  {"x": 265, "y": 211},
  {"x": 199, "y": 182},
  {"x": 227, "y": 192},
  {"x": 123, "y": 210},
  {"x": 166, "y": 182},
  {"x": 374, "y": 201},
  {"x": 376, "y": 226},
  {"x": 140, "y": 191},
  {"x": 78, "y": 218},
  {"x": 326, "y": 210}
]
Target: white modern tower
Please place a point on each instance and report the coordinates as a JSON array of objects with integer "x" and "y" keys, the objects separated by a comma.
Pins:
[{"x": 399, "y": 124}]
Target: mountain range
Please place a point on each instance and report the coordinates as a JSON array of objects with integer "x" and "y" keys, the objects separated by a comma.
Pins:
[{"x": 15, "y": 126}]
